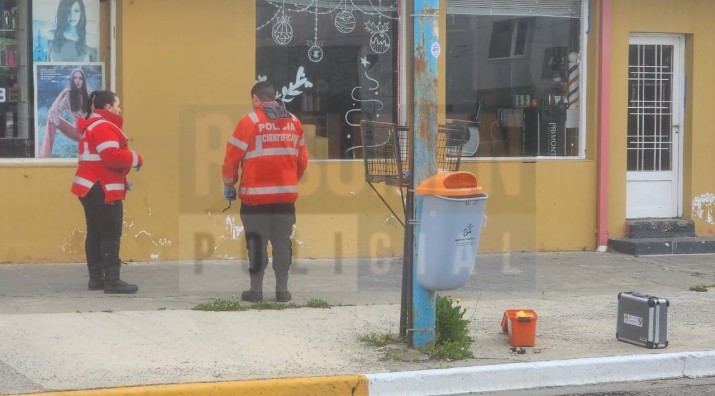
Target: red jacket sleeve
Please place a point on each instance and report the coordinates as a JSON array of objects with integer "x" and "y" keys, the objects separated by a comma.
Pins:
[
  {"x": 108, "y": 141},
  {"x": 236, "y": 148}
]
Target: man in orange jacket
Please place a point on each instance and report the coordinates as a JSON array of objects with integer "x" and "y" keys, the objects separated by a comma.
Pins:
[{"x": 268, "y": 146}]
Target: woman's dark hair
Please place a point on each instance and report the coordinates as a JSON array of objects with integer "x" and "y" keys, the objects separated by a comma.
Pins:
[
  {"x": 63, "y": 13},
  {"x": 99, "y": 99},
  {"x": 264, "y": 91},
  {"x": 78, "y": 96}
]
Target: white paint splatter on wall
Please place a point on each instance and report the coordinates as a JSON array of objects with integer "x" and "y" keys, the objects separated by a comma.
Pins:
[
  {"x": 154, "y": 256},
  {"x": 162, "y": 242},
  {"x": 158, "y": 242},
  {"x": 213, "y": 219},
  {"x": 137, "y": 235},
  {"x": 74, "y": 242},
  {"x": 235, "y": 230},
  {"x": 294, "y": 239},
  {"x": 703, "y": 206}
]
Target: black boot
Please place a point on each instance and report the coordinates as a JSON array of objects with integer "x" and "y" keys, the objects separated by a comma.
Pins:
[
  {"x": 252, "y": 295},
  {"x": 95, "y": 284},
  {"x": 283, "y": 295},
  {"x": 255, "y": 293},
  {"x": 96, "y": 278},
  {"x": 114, "y": 285}
]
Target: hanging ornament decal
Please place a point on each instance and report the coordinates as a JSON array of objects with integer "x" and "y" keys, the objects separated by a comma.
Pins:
[
  {"x": 315, "y": 52},
  {"x": 345, "y": 21},
  {"x": 380, "y": 40},
  {"x": 347, "y": 16},
  {"x": 282, "y": 31}
]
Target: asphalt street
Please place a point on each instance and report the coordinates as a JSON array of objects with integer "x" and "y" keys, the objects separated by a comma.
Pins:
[{"x": 674, "y": 387}]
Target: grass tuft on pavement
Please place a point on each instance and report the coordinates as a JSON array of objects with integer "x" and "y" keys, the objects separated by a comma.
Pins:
[
  {"x": 229, "y": 305},
  {"x": 701, "y": 288}
]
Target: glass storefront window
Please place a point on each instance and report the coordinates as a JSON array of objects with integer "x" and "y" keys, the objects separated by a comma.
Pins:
[
  {"x": 333, "y": 63},
  {"x": 50, "y": 61},
  {"x": 513, "y": 71},
  {"x": 15, "y": 137}
]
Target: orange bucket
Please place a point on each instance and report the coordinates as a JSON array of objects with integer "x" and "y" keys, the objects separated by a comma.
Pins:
[{"x": 520, "y": 324}]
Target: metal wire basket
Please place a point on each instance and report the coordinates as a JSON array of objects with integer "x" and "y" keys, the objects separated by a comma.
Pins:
[{"x": 386, "y": 149}]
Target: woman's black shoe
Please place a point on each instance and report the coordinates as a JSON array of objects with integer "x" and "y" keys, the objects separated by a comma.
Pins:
[{"x": 119, "y": 287}]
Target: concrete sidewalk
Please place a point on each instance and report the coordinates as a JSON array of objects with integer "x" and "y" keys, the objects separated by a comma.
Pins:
[{"x": 56, "y": 336}]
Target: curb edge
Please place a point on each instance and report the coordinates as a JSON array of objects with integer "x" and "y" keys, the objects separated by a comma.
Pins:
[{"x": 554, "y": 373}]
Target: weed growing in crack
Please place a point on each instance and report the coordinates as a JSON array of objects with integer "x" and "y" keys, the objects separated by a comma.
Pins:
[
  {"x": 378, "y": 339},
  {"x": 452, "y": 340}
]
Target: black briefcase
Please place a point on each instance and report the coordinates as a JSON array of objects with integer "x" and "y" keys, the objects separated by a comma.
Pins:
[{"x": 642, "y": 320}]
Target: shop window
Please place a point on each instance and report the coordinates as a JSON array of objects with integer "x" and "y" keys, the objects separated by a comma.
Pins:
[
  {"x": 15, "y": 138},
  {"x": 51, "y": 59},
  {"x": 513, "y": 71},
  {"x": 508, "y": 38},
  {"x": 333, "y": 64}
]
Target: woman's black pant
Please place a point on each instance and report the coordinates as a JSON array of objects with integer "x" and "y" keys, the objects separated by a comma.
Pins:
[{"x": 104, "y": 232}]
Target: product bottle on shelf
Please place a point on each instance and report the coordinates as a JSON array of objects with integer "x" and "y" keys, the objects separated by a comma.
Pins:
[{"x": 9, "y": 124}]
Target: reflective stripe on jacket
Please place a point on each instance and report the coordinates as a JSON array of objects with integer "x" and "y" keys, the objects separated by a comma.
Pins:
[
  {"x": 103, "y": 156},
  {"x": 268, "y": 145}
]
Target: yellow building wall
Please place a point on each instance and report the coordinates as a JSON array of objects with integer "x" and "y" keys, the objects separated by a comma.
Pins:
[
  {"x": 42, "y": 221},
  {"x": 182, "y": 97},
  {"x": 339, "y": 215},
  {"x": 694, "y": 19}
]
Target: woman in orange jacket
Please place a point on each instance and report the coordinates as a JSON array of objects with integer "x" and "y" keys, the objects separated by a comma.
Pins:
[{"x": 104, "y": 159}]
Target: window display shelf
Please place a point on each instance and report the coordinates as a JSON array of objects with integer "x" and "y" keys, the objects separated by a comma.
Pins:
[{"x": 14, "y": 135}]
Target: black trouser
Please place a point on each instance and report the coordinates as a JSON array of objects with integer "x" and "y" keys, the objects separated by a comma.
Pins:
[
  {"x": 264, "y": 223},
  {"x": 104, "y": 232}
]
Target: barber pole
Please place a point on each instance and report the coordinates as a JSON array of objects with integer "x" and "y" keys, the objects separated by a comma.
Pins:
[
  {"x": 572, "y": 105},
  {"x": 573, "y": 81}
]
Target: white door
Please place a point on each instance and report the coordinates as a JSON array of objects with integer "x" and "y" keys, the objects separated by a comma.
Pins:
[{"x": 655, "y": 107}]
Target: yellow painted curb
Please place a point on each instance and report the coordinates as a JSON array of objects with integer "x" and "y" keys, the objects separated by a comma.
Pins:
[{"x": 356, "y": 385}]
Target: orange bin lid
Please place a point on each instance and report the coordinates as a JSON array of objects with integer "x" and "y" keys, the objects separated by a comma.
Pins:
[{"x": 450, "y": 184}]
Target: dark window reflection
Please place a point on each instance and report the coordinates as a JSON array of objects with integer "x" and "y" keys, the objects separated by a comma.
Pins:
[
  {"x": 517, "y": 77},
  {"x": 334, "y": 63}
]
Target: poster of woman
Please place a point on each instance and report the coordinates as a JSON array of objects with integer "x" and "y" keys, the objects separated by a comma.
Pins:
[
  {"x": 65, "y": 30},
  {"x": 62, "y": 91}
]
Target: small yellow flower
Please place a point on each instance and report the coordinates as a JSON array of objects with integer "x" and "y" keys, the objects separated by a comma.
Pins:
[{"x": 459, "y": 300}]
